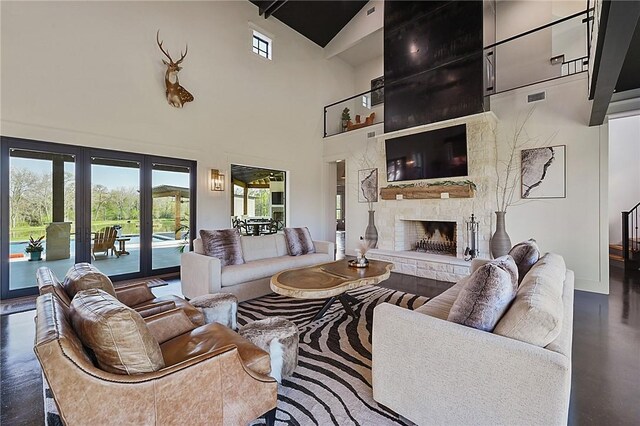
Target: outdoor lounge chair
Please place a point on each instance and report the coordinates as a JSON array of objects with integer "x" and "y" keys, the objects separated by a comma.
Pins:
[{"x": 103, "y": 241}]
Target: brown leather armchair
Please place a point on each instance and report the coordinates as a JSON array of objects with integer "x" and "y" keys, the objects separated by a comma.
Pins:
[
  {"x": 211, "y": 376},
  {"x": 137, "y": 296}
]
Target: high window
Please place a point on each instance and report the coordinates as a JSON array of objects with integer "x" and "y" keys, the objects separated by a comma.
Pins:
[{"x": 262, "y": 45}]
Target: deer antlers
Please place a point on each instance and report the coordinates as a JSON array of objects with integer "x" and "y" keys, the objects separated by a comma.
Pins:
[
  {"x": 182, "y": 55},
  {"x": 176, "y": 94}
]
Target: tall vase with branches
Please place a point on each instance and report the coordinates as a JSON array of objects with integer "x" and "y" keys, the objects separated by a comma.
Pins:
[{"x": 507, "y": 179}]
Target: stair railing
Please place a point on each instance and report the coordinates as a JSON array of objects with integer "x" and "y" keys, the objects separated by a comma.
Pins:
[{"x": 630, "y": 233}]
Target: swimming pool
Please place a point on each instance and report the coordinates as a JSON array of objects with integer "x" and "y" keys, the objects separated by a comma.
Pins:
[{"x": 16, "y": 247}]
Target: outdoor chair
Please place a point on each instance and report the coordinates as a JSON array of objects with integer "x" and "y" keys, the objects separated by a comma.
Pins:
[
  {"x": 103, "y": 241},
  {"x": 275, "y": 226},
  {"x": 241, "y": 225}
]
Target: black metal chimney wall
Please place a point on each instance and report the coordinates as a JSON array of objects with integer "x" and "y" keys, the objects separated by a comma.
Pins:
[{"x": 433, "y": 61}]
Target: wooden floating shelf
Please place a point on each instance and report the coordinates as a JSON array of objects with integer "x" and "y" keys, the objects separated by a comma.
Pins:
[{"x": 427, "y": 192}]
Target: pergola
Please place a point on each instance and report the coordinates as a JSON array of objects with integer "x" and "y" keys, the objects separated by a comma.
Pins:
[{"x": 178, "y": 193}]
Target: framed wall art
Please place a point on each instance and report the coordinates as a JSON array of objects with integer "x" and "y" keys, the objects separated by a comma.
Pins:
[
  {"x": 544, "y": 172},
  {"x": 377, "y": 91},
  {"x": 368, "y": 186}
]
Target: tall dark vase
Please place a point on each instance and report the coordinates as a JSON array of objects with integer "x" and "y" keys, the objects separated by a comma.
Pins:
[
  {"x": 500, "y": 242},
  {"x": 371, "y": 233}
]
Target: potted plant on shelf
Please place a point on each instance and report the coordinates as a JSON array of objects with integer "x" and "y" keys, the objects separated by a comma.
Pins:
[
  {"x": 346, "y": 117},
  {"x": 35, "y": 248}
]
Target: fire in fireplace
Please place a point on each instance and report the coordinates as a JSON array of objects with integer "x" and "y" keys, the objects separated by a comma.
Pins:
[{"x": 436, "y": 237}]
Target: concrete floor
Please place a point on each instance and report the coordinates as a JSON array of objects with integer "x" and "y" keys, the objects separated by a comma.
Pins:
[{"x": 606, "y": 354}]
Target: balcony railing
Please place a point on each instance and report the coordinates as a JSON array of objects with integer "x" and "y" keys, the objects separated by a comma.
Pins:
[
  {"x": 557, "y": 49},
  {"x": 364, "y": 109},
  {"x": 554, "y": 50}
]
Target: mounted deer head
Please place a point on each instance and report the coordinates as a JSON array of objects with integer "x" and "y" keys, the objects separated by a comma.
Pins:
[{"x": 177, "y": 95}]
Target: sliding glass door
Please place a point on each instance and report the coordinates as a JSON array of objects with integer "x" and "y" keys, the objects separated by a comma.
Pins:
[
  {"x": 171, "y": 194},
  {"x": 128, "y": 214},
  {"x": 39, "y": 223},
  {"x": 116, "y": 213}
]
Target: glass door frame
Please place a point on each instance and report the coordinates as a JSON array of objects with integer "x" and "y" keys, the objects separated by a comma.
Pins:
[
  {"x": 7, "y": 144},
  {"x": 150, "y": 160},
  {"x": 87, "y": 186},
  {"x": 82, "y": 229}
]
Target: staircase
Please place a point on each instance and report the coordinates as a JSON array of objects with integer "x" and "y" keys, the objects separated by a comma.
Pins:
[
  {"x": 627, "y": 254},
  {"x": 616, "y": 254}
]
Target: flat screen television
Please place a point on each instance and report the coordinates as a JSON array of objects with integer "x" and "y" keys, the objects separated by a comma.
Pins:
[{"x": 438, "y": 153}]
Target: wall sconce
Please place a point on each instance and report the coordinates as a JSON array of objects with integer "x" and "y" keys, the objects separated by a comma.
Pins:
[{"x": 217, "y": 180}]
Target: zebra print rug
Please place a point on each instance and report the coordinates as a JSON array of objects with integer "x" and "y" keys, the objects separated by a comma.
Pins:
[{"x": 332, "y": 383}]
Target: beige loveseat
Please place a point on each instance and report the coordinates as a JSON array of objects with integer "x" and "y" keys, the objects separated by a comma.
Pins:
[
  {"x": 264, "y": 256},
  {"x": 433, "y": 371}
]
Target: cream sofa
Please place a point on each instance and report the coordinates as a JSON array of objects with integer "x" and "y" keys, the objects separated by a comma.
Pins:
[
  {"x": 432, "y": 371},
  {"x": 264, "y": 256}
]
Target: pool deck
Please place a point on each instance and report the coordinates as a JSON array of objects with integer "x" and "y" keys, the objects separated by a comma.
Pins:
[{"x": 22, "y": 273}]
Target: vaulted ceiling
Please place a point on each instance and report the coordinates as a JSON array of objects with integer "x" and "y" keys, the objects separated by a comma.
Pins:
[{"x": 319, "y": 21}]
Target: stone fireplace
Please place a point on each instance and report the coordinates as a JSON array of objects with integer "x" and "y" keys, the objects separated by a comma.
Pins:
[
  {"x": 400, "y": 221},
  {"x": 430, "y": 236}
]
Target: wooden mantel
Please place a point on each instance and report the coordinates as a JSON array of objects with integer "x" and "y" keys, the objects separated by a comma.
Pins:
[{"x": 427, "y": 192}]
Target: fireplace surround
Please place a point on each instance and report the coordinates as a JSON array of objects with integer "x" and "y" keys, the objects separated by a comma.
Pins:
[
  {"x": 424, "y": 235},
  {"x": 431, "y": 236}
]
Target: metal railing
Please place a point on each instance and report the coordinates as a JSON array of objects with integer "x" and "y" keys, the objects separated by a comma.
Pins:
[
  {"x": 575, "y": 66},
  {"x": 363, "y": 110},
  {"x": 630, "y": 236},
  {"x": 534, "y": 56},
  {"x": 537, "y": 55}
]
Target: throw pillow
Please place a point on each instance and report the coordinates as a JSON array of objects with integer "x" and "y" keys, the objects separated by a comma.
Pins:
[
  {"x": 525, "y": 254},
  {"x": 84, "y": 276},
  {"x": 117, "y": 335},
  {"x": 486, "y": 295},
  {"x": 536, "y": 314},
  {"x": 299, "y": 241},
  {"x": 223, "y": 244}
]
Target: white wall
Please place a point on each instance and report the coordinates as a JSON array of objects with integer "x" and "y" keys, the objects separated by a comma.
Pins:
[
  {"x": 351, "y": 147},
  {"x": 360, "y": 26},
  {"x": 366, "y": 72},
  {"x": 575, "y": 226},
  {"x": 624, "y": 170},
  {"x": 91, "y": 74},
  {"x": 527, "y": 59}
]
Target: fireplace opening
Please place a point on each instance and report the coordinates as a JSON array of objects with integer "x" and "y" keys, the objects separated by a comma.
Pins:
[{"x": 435, "y": 237}]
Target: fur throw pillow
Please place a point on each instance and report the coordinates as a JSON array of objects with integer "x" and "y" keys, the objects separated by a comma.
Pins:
[
  {"x": 525, "y": 254},
  {"x": 299, "y": 241},
  {"x": 223, "y": 244},
  {"x": 486, "y": 295}
]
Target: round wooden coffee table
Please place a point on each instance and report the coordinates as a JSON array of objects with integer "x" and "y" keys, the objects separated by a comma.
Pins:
[{"x": 329, "y": 281}]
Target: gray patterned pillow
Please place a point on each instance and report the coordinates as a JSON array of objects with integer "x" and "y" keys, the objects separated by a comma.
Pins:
[
  {"x": 299, "y": 241},
  {"x": 525, "y": 254},
  {"x": 486, "y": 295},
  {"x": 223, "y": 244}
]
